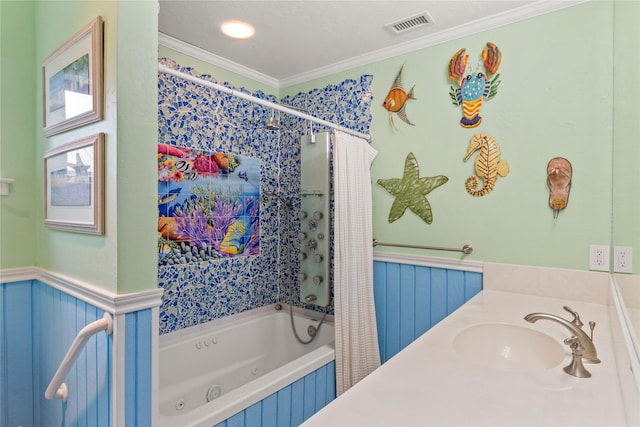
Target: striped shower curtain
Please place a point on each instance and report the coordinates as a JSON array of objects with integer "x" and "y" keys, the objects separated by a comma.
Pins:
[{"x": 357, "y": 352}]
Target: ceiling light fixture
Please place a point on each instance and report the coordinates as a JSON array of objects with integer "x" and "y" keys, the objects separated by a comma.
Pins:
[{"x": 237, "y": 29}]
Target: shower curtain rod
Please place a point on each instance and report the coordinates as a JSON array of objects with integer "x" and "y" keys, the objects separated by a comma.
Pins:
[{"x": 165, "y": 69}]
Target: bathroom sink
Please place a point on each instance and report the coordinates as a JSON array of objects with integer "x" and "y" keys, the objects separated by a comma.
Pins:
[{"x": 506, "y": 347}]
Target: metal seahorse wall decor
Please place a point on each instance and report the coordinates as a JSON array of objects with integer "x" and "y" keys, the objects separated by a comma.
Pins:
[{"x": 488, "y": 165}]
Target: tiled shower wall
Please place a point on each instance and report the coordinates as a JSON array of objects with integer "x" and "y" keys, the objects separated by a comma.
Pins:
[{"x": 195, "y": 116}]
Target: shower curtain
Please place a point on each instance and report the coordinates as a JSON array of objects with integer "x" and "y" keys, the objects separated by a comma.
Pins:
[{"x": 357, "y": 352}]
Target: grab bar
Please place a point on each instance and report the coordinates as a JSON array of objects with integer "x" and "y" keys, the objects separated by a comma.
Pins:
[
  {"x": 58, "y": 389},
  {"x": 466, "y": 249}
]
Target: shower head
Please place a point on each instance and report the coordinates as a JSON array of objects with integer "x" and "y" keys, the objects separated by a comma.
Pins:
[{"x": 272, "y": 124}]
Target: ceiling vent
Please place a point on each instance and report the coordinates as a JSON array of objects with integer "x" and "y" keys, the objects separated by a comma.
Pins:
[{"x": 410, "y": 23}]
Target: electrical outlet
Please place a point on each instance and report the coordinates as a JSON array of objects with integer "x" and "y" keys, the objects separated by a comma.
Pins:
[
  {"x": 622, "y": 259},
  {"x": 599, "y": 257}
]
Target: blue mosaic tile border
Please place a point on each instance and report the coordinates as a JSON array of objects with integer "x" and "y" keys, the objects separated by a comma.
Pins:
[{"x": 201, "y": 118}]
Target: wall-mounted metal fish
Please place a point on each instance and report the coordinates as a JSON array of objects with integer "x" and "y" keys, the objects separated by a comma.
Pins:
[{"x": 396, "y": 100}]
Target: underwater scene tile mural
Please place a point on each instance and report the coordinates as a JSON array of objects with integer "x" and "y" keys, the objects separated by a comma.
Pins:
[
  {"x": 257, "y": 264},
  {"x": 208, "y": 205}
]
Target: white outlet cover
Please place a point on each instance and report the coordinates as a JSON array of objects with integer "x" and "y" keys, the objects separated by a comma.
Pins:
[
  {"x": 599, "y": 257},
  {"x": 622, "y": 259}
]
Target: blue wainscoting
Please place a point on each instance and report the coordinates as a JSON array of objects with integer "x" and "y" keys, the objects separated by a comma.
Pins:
[
  {"x": 38, "y": 323},
  {"x": 292, "y": 405},
  {"x": 138, "y": 345},
  {"x": 57, "y": 318},
  {"x": 410, "y": 299},
  {"x": 16, "y": 354}
]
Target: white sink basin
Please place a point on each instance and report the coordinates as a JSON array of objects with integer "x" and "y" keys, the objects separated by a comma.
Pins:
[{"x": 505, "y": 347}]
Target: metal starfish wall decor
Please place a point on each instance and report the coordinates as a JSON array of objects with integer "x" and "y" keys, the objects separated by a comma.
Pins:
[{"x": 411, "y": 191}]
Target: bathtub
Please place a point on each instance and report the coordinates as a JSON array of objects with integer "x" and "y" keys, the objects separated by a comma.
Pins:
[{"x": 211, "y": 372}]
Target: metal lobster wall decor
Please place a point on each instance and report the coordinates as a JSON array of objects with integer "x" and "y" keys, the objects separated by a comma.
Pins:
[{"x": 472, "y": 88}]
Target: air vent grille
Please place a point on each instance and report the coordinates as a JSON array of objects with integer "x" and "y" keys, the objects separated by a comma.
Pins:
[{"x": 411, "y": 23}]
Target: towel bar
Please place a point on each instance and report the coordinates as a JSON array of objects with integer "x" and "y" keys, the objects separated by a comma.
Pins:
[{"x": 466, "y": 249}]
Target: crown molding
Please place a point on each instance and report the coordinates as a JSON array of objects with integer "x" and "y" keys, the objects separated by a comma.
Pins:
[
  {"x": 429, "y": 261},
  {"x": 213, "y": 59},
  {"x": 108, "y": 301},
  {"x": 516, "y": 15},
  {"x": 468, "y": 29}
]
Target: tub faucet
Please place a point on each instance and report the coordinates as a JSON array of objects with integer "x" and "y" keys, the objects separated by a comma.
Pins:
[
  {"x": 585, "y": 346},
  {"x": 310, "y": 298}
]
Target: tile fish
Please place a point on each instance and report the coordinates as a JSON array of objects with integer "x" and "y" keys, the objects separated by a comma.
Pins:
[
  {"x": 243, "y": 175},
  {"x": 206, "y": 164},
  {"x": 169, "y": 197},
  {"x": 396, "y": 100},
  {"x": 237, "y": 236},
  {"x": 173, "y": 150},
  {"x": 167, "y": 228}
]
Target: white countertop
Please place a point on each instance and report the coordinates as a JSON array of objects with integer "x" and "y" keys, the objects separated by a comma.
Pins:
[{"x": 429, "y": 384}]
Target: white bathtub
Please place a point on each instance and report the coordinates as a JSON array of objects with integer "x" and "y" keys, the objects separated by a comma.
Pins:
[{"x": 213, "y": 371}]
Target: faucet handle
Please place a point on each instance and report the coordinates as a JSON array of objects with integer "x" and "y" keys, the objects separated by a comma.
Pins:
[
  {"x": 576, "y": 317},
  {"x": 576, "y": 367},
  {"x": 574, "y": 343}
]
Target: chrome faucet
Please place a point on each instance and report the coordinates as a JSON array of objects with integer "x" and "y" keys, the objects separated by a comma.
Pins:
[
  {"x": 585, "y": 349},
  {"x": 310, "y": 298}
]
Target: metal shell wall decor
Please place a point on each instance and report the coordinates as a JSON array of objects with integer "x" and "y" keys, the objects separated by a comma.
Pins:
[
  {"x": 488, "y": 164},
  {"x": 471, "y": 89},
  {"x": 411, "y": 191},
  {"x": 559, "y": 173},
  {"x": 396, "y": 100}
]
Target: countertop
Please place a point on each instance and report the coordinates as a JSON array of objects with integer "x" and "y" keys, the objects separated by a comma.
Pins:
[{"x": 429, "y": 384}]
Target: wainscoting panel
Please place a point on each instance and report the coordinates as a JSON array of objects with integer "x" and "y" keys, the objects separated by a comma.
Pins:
[
  {"x": 410, "y": 299},
  {"x": 292, "y": 405},
  {"x": 57, "y": 319},
  {"x": 138, "y": 368},
  {"x": 16, "y": 352}
]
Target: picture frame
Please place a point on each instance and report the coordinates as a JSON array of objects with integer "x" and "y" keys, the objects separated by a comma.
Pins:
[
  {"x": 72, "y": 81},
  {"x": 74, "y": 186}
]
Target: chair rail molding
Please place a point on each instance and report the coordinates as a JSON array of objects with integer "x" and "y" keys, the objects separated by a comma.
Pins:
[{"x": 108, "y": 301}]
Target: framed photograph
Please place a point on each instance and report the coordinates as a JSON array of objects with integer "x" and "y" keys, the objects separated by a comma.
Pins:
[
  {"x": 72, "y": 81},
  {"x": 74, "y": 186}
]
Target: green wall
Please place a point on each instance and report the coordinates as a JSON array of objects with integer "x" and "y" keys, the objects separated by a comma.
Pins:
[
  {"x": 626, "y": 171},
  {"x": 17, "y": 136},
  {"x": 124, "y": 259},
  {"x": 555, "y": 100},
  {"x": 92, "y": 259}
]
